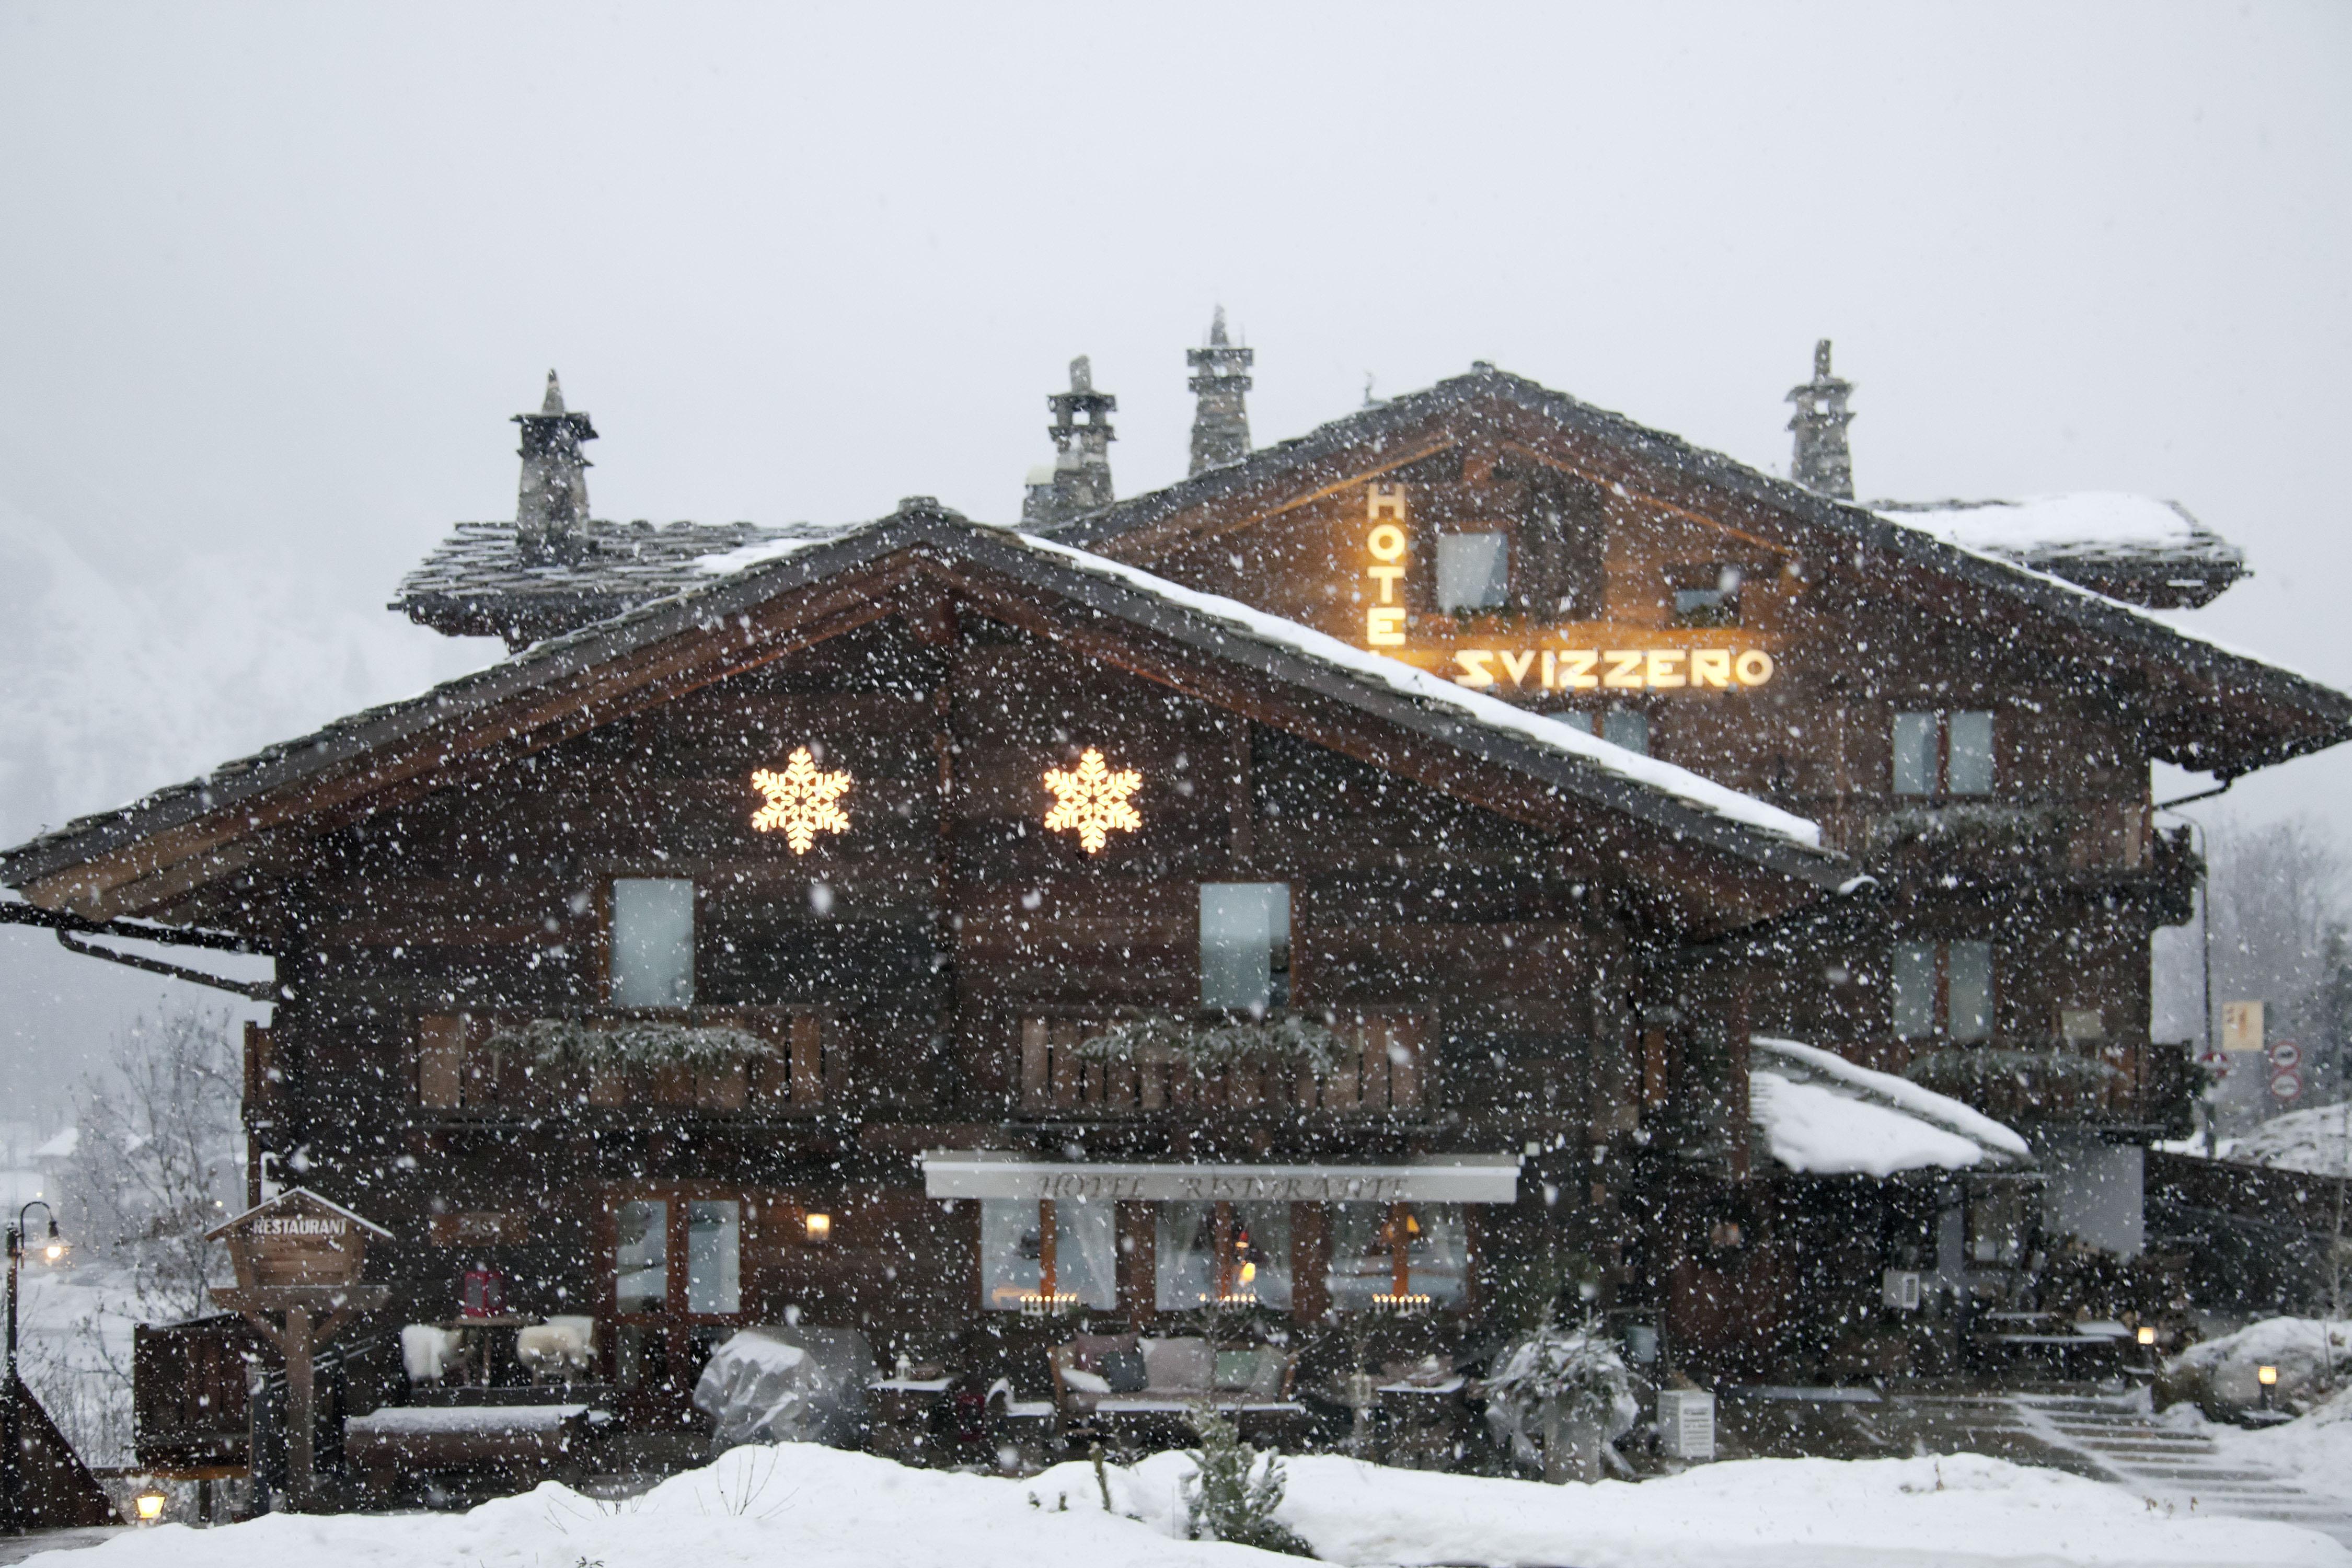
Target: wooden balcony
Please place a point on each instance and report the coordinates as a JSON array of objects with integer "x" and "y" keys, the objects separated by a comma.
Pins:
[
  {"x": 2118, "y": 1083},
  {"x": 1382, "y": 1070},
  {"x": 463, "y": 1066}
]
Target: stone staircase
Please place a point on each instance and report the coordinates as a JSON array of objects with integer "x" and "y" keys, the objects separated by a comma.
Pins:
[{"x": 2118, "y": 1438}]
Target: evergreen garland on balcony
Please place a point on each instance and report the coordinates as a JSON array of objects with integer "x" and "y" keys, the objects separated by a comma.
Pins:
[
  {"x": 557, "y": 1042},
  {"x": 1205, "y": 1049}
]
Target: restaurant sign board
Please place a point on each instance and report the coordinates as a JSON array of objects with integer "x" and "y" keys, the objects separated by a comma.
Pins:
[{"x": 297, "y": 1238}]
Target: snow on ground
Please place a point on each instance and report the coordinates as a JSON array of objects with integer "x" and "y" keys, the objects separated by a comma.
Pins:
[
  {"x": 816, "y": 1508},
  {"x": 2314, "y": 1451}
]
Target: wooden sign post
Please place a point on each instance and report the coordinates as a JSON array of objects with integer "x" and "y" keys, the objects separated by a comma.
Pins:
[{"x": 297, "y": 1261}]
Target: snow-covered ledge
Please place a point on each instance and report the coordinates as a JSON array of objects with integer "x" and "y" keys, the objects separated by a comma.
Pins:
[{"x": 1821, "y": 1115}]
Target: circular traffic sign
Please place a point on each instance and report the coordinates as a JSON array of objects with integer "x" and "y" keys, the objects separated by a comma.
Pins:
[
  {"x": 2285, "y": 1054},
  {"x": 2287, "y": 1085}
]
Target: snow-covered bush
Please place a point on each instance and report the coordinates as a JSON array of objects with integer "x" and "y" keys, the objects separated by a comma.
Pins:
[
  {"x": 2313, "y": 1360},
  {"x": 1233, "y": 1491},
  {"x": 1579, "y": 1367}
]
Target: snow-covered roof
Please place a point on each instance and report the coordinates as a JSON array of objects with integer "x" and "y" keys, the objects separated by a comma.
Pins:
[
  {"x": 1823, "y": 1116},
  {"x": 2135, "y": 548},
  {"x": 2316, "y": 1141},
  {"x": 1397, "y": 675},
  {"x": 2091, "y": 520},
  {"x": 1567, "y": 763}
]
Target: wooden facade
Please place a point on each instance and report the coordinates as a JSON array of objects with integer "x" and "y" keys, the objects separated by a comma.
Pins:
[{"x": 1503, "y": 942}]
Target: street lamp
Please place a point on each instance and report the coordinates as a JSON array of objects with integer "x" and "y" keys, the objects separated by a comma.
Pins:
[
  {"x": 12, "y": 1463},
  {"x": 2267, "y": 1376}
]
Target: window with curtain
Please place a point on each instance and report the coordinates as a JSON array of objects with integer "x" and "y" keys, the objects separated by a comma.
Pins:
[
  {"x": 1473, "y": 571},
  {"x": 652, "y": 950},
  {"x": 1912, "y": 983},
  {"x": 714, "y": 1256},
  {"x": 1376, "y": 1248},
  {"x": 1944, "y": 753},
  {"x": 1029, "y": 1248},
  {"x": 641, "y": 1257},
  {"x": 1246, "y": 945},
  {"x": 1205, "y": 1252},
  {"x": 1968, "y": 989},
  {"x": 1942, "y": 988}
]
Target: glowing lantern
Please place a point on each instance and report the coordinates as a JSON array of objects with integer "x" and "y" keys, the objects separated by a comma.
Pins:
[
  {"x": 1091, "y": 801},
  {"x": 800, "y": 801}
]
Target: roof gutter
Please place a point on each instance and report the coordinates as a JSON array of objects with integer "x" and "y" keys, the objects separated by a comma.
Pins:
[{"x": 69, "y": 926}]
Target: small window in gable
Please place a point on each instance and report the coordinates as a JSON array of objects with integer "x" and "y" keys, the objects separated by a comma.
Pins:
[
  {"x": 651, "y": 951},
  {"x": 1473, "y": 571},
  {"x": 1705, "y": 593},
  {"x": 1245, "y": 946}
]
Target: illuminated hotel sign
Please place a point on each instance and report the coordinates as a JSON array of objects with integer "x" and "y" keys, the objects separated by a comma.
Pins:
[{"x": 1388, "y": 545}]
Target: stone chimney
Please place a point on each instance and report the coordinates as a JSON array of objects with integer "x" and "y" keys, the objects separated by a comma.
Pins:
[
  {"x": 1220, "y": 381},
  {"x": 551, "y": 507},
  {"x": 1822, "y": 463},
  {"x": 1080, "y": 479}
]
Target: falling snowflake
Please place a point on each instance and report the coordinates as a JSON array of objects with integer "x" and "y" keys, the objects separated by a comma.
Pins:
[
  {"x": 800, "y": 801},
  {"x": 1090, "y": 800}
]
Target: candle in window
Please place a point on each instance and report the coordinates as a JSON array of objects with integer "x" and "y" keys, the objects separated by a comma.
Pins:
[{"x": 818, "y": 1226}]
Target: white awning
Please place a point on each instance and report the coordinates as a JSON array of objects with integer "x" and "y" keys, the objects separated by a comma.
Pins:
[{"x": 1433, "y": 1179}]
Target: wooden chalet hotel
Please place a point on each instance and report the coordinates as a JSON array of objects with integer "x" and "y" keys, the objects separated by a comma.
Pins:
[{"x": 1385, "y": 879}]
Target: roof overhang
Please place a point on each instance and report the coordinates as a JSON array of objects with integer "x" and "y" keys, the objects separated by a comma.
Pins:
[
  {"x": 2205, "y": 707},
  {"x": 149, "y": 857}
]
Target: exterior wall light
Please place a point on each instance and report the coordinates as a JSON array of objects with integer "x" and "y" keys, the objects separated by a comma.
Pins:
[
  {"x": 1090, "y": 800},
  {"x": 2147, "y": 1334},
  {"x": 800, "y": 801},
  {"x": 817, "y": 1226}
]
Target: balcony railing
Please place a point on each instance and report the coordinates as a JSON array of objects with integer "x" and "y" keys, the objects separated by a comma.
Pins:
[
  {"x": 473, "y": 1062},
  {"x": 2144, "y": 1084},
  {"x": 1380, "y": 1068}
]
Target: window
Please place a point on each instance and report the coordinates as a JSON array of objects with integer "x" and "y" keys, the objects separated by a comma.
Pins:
[
  {"x": 1397, "y": 1250},
  {"x": 1627, "y": 727},
  {"x": 697, "y": 1272},
  {"x": 714, "y": 1256},
  {"x": 1998, "y": 1222},
  {"x": 641, "y": 1257},
  {"x": 1705, "y": 596},
  {"x": 1035, "y": 1254},
  {"x": 1942, "y": 989},
  {"x": 1943, "y": 753},
  {"x": 1245, "y": 946},
  {"x": 653, "y": 941},
  {"x": 1473, "y": 571},
  {"x": 1967, "y": 990},
  {"x": 1222, "y": 1252}
]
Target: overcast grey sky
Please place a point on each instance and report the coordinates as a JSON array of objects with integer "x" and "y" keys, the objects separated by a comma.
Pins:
[{"x": 273, "y": 277}]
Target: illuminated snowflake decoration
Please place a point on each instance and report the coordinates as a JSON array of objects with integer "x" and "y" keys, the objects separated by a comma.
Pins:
[
  {"x": 1091, "y": 801},
  {"x": 800, "y": 801}
]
